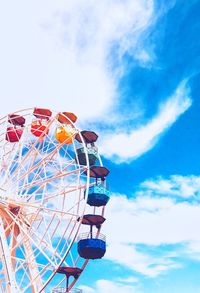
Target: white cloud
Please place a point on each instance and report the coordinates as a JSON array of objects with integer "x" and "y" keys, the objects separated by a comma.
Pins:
[
  {"x": 137, "y": 225},
  {"x": 128, "y": 280},
  {"x": 127, "y": 255},
  {"x": 106, "y": 286},
  {"x": 176, "y": 185},
  {"x": 54, "y": 53},
  {"x": 123, "y": 146},
  {"x": 152, "y": 221},
  {"x": 144, "y": 57},
  {"x": 193, "y": 250}
]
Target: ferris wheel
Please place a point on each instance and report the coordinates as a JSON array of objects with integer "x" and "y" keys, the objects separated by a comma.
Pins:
[{"x": 52, "y": 198}]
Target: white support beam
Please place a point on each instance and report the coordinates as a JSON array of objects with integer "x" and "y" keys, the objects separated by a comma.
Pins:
[
  {"x": 11, "y": 285},
  {"x": 32, "y": 265}
]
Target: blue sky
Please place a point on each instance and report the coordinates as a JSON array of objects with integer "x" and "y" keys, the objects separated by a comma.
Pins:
[{"x": 130, "y": 71}]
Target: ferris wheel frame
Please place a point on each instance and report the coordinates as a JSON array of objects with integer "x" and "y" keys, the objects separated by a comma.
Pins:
[{"x": 12, "y": 212}]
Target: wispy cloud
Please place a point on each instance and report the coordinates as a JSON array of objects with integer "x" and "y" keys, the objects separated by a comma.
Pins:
[
  {"x": 142, "y": 262},
  {"x": 124, "y": 147},
  {"x": 151, "y": 220},
  {"x": 185, "y": 187},
  {"x": 58, "y": 58},
  {"x": 107, "y": 286},
  {"x": 154, "y": 221}
]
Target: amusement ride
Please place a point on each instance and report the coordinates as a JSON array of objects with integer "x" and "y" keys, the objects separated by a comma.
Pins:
[{"x": 53, "y": 194}]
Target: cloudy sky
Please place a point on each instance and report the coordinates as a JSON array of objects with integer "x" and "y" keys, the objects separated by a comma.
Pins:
[{"x": 129, "y": 69}]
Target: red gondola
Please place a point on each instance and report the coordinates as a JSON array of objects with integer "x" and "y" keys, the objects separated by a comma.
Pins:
[
  {"x": 39, "y": 129},
  {"x": 42, "y": 113},
  {"x": 13, "y": 134},
  {"x": 16, "y": 119}
]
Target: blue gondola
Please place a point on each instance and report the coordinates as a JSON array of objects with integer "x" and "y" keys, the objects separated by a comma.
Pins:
[
  {"x": 91, "y": 248},
  {"x": 98, "y": 196}
]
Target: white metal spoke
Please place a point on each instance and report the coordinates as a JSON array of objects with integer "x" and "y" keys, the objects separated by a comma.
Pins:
[{"x": 43, "y": 194}]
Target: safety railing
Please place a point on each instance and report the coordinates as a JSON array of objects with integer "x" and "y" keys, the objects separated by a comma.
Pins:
[
  {"x": 87, "y": 235},
  {"x": 63, "y": 290}
]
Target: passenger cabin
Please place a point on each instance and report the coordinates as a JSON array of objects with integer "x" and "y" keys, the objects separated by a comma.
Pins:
[
  {"x": 90, "y": 247},
  {"x": 98, "y": 194},
  {"x": 98, "y": 172},
  {"x": 16, "y": 120},
  {"x": 14, "y": 132},
  {"x": 39, "y": 127},
  {"x": 65, "y": 132},
  {"x": 68, "y": 272},
  {"x": 41, "y": 113},
  {"x": 89, "y": 138},
  {"x": 66, "y": 118}
]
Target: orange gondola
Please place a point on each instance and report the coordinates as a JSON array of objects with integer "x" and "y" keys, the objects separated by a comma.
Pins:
[{"x": 65, "y": 134}]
